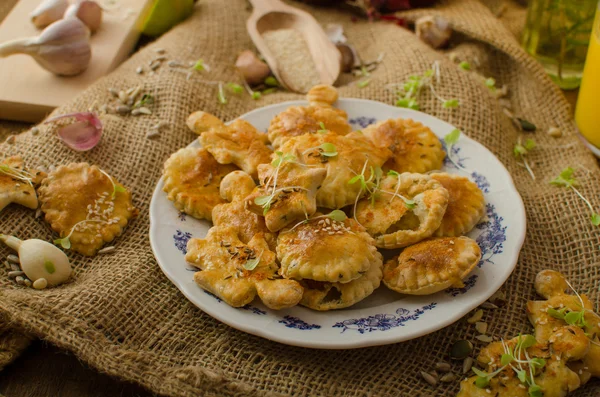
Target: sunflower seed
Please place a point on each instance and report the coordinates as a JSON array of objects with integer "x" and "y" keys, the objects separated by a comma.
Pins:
[
  {"x": 15, "y": 273},
  {"x": 461, "y": 349},
  {"x": 14, "y": 267},
  {"x": 13, "y": 259},
  {"x": 443, "y": 366},
  {"x": 7, "y": 265},
  {"x": 123, "y": 96},
  {"x": 11, "y": 139},
  {"x": 27, "y": 282},
  {"x": 475, "y": 317},
  {"x": 447, "y": 378},
  {"x": 429, "y": 378},
  {"x": 481, "y": 327},
  {"x": 467, "y": 365},
  {"x": 20, "y": 280},
  {"x": 35, "y": 131},
  {"x": 38, "y": 213},
  {"x": 154, "y": 66},
  {"x": 139, "y": 70},
  {"x": 142, "y": 110},
  {"x": 123, "y": 109},
  {"x": 106, "y": 250},
  {"x": 159, "y": 50},
  {"x": 152, "y": 134},
  {"x": 113, "y": 92},
  {"x": 554, "y": 132},
  {"x": 488, "y": 305},
  {"x": 484, "y": 338},
  {"x": 175, "y": 64}
]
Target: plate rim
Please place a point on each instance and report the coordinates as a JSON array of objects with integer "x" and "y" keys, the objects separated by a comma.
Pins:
[{"x": 384, "y": 339}]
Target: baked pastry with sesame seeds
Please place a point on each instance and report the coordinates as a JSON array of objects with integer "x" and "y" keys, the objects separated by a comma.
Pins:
[
  {"x": 192, "y": 178},
  {"x": 416, "y": 148},
  {"x": 238, "y": 143},
  {"x": 237, "y": 272},
  {"x": 86, "y": 206},
  {"x": 17, "y": 183},
  {"x": 326, "y": 250},
  {"x": 432, "y": 265}
]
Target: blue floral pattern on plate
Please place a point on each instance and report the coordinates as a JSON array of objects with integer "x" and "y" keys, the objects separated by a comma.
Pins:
[
  {"x": 295, "y": 322},
  {"x": 383, "y": 322},
  {"x": 362, "y": 121},
  {"x": 181, "y": 239}
]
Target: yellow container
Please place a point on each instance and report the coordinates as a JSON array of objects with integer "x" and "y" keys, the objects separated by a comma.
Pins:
[{"x": 587, "y": 113}]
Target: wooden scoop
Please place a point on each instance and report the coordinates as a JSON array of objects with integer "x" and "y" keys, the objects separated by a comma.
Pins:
[{"x": 273, "y": 15}]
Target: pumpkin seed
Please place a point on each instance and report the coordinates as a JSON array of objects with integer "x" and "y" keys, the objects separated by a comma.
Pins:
[
  {"x": 447, "y": 378},
  {"x": 443, "y": 366},
  {"x": 527, "y": 125},
  {"x": 481, "y": 327},
  {"x": 475, "y": 317},
  {"x": 461, "y": 349},
  {"x": 484, "y": 338},
  {"x": 467, "y": 365},
  {"x": 429, "y": 378}
]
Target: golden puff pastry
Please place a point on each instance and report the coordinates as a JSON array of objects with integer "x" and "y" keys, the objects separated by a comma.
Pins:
[
  {"x": 235, "y": 187},
  {"x": 466, "y": 205},
  {"x": 416, "y": 148},
  {"x": 552, "y": 286},
  {"x": 286, "y": 193},
  {"x": 321, "y": 296},
  {"x": 388, "y": 215},
  {"x": 238, "y": 143},
  {"x": 192, "y": 177},
  {"x": 236, "y": 272},
  {"x": 300, "y": 120},
  {"x": 17, "y": 183},
  {"x": 326, "y": 250},
  {"x": 199, "y": 122},
  {"x": 554, "y": 378},
  {"x": 354, "y": 155},
  {"x": 432, "y": 265},
  {"x": 85, "y": 204}
]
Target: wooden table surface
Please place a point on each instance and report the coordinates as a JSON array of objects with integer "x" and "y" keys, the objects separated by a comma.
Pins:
[{"x": 44, "y": 370}]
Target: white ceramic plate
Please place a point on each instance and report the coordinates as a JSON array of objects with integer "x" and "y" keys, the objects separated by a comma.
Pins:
[{"x": 384, "y": 317}]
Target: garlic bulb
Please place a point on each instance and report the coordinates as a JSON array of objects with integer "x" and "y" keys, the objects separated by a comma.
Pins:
[
  {"x": 40, "y": 259},
  {"x": 253, "y": 69},
  {"x": 47, "y": 12},
  {"x": 433, "y": 30},
  {"x": 89, "y": 12},
  {"x": 63, "y": 48}
]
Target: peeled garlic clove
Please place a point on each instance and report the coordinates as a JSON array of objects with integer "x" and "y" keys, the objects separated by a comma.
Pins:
[
  {"x": 63, "y": 48},
  {"x": 89, "y": 12},
  {"x": 82, "y": 135},
  {"x": 40, "y": 259},
  {"x": 433, "y": 30},
  {"x": 47, "y": 12},
  {"x": 252, "y": 69}
]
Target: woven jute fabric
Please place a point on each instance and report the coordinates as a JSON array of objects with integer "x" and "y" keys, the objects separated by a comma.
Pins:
[{"x": 121, "y": 314}]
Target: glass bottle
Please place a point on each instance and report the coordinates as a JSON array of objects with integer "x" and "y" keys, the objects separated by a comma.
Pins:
[{"x": 557, "y": 34}]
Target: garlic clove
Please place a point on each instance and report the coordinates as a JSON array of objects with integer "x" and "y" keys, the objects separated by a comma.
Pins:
[
  {"x": 47, "y": 12},
  {"x": 82, "y": 135},
  {"x": 433, "y": 30},
  {"x": 63, "y": 48},
  {"x": 89, "y": 12},
  {"x": 252, "y": 69}
]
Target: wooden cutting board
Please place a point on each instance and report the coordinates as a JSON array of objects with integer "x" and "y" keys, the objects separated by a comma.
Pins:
[{"x": 28, "y": 92}]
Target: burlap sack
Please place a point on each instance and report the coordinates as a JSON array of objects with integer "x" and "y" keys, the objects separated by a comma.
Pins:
[{"x": 123, "y": 317}]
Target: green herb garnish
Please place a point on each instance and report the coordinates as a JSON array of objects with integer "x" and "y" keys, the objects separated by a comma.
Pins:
[
  {"x": 256, "y": 95},
  {"x": 65, "y": 242},
  {"x": 450, "y": 103},
  {"x": 199, "y": 65},
  {"x": 521, "y": 150},
  {"x": 269, "y": 91},
  {"x": 252, "y": 263},
  {"x": 271, "y": 81},
  {"x": 490, "y": 83},
  {"x": 410, "y": 90},
  {"x": 235, "y": 88},
  {"x": 567, "y": 180},
  {"x": 325, "y": 149},
  {"x": 363, "y": 83},
  {"x": 323, "y": 129},
  {"x": 451, "y": 139},
  {"x": 464, "y": 65},
  {"x": 221, "y": 94},
  {"x": 16, "y": 173},
  {"x": 146, "y": 99}
]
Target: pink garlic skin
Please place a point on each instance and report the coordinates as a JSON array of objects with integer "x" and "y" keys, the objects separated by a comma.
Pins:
[
  {"x": 88, "y": 12},
  {"x": 82, "y": 135}
]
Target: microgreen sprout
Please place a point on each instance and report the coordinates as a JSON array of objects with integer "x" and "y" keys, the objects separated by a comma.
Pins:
[
  {"x": 200, "y": 65},
  {"x": 221, "y": 94},
  {"x": 451, "y": 139},
  {"x": 490, "y": 83},
  {"x": 363, "y": 83},
  {"x": 410, "y": 204},
  {"x": 116, "y": 188},
  {"x": 370, "y": 185},
  {"x": 252, "y": 263},
  {"x": 254, "y": 94},
  {"x": 566, "y": 179},
  {"x": 266, "y": 200},
  {"x": 323, "y": 129},
  {"x": 513, "y": 359},
  {"x": 16, "y": 173},
  {"x": 464, "y": 65},
  {"x": 235, "y": 88},
  {"x": 146, "y": 99},
  {"x": 271, "y": 81},
  {"x": 410, "y": 90},
  {"x": 65, "y": 242},
  {"x": 521, "y": 150},
  {"x": 572, "y": 317},
  {"x": 269, "y": 91},
  {"x": 325, "y": 149}
]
